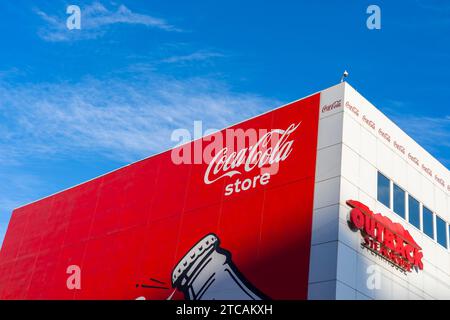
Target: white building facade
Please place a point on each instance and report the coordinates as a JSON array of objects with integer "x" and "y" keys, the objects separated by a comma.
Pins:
[{"x": 364, "y": 156}]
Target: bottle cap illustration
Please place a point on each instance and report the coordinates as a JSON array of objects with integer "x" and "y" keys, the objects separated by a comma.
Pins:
[
  {"x": 207, "y": 272},
  {"x": 197, "y": 252}
]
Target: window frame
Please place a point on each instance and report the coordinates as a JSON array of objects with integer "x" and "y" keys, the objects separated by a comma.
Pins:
[
  {"x": 433, "y": 225},
  {"x": 404, "y": 200},
  {"x": 445, "y": 231},
  {"x": 419, "y": 204},
  {"x": 390, "y": 195}
]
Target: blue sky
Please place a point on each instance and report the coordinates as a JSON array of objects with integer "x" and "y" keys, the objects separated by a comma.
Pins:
[{"x": 76, "y": 104}]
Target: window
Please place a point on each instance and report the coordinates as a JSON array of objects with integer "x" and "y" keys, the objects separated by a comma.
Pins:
[
  {"x": 399, "y": 201},
  {"x": 428, "y": 222},
  {"x": 384, "y": 190},
  {"x": 441, "y": 230},
  {"x": 414, "y": 212},
  {"x": 394, "y": 198}
]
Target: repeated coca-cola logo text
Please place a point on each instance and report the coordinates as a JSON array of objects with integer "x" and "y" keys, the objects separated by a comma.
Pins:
[{"x": 399, "y": 147}]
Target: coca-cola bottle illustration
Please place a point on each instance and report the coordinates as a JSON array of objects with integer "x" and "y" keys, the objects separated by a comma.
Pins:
[{"x": 207, "y": 272}]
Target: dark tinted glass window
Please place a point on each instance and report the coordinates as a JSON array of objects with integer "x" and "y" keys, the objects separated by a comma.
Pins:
[
  {"x": 441, "y": 230},
  {"x": 383, "y": 190},
  {"x": 399, "y": 201},
  {"x": 414, "y": 213},
  {"x": 428, "y": 222}
]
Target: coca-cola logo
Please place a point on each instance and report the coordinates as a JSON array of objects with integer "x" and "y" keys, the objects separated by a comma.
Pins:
[
  {"x": 265, "y": 155},
  {"x": 399, "y": 147},
  {"x": 328, "y": 107},
  {"x": 352, "y": 108},
  {"x": 439, "y": 180},
  {"x": 369, "y": 122},
  {"x": 427, "y": 170},
  {"x": 385, "y": 135}
]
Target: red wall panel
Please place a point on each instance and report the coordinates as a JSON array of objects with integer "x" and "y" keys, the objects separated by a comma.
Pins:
[{"x": 127, "y": 230}]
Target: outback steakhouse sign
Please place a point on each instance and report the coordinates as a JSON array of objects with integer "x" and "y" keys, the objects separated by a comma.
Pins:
[{"x": 386, "y": 238}]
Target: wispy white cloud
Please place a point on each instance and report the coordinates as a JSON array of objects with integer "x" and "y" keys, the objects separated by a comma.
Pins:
[
  {"x": 436, "y": 5},
  {"x": 431, "y": 132},
  {"x": 438, "y": 10},
  {"x": 3, "y": 228},
  {"x": 16, "y": 190},
  {"x": 121, "y": 119},
  {"x": 95, "y": 18},
  {"x": 195, "y": 56}
]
